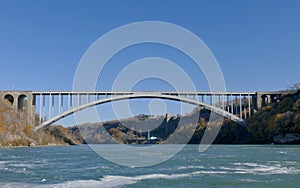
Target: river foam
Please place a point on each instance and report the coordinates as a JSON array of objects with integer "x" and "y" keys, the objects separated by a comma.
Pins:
[
  {"x": 112, "y": 180},
  {"x": 261, "y": 169},
  {"x": 116, "y": 181}
]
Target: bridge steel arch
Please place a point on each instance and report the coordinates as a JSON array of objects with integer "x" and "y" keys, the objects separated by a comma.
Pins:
[{"x": 143, "y": 95}]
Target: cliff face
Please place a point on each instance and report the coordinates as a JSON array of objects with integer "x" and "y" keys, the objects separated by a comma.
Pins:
[{"x": 15, "y": 132}]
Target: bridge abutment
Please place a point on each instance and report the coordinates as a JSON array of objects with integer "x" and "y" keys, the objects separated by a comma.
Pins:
[
  {"x": 262, "y": 99},
  {"x": 22, "y": 102}
]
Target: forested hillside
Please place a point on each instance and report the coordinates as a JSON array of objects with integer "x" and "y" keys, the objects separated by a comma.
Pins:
[{"x": 278, "y": 123}]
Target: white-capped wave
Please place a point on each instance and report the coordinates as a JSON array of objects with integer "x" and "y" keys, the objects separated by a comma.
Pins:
[
  {"x": 291, "y": 162},
  {"x": 23, "y": 165},
  {"x": 190, "y": 167},
  {"x": 255, "y": 168},
  {"x": 283, "y": 152},
  {"x": 116, "y": 181},
  {"x": 111, "y": 180}
]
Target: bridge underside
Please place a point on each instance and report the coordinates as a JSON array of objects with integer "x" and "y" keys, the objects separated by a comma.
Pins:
[{"x": 136, "y": 95}]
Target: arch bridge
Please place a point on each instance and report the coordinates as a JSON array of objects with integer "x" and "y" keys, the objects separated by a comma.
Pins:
[{"x": 51, "y": 106}]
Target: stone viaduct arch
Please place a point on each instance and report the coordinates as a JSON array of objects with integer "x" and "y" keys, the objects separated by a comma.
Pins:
[
  {"x": 9, "y": 98},
  {"x": 22, "y": 102}
]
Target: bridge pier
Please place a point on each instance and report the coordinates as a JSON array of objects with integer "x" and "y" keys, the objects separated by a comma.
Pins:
[
  {"x": 22, "y": 102},
  {"x": 261, "y": 99}
]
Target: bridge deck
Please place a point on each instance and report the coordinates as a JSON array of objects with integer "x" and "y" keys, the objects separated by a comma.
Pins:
[{"x": 139, "y": 92}]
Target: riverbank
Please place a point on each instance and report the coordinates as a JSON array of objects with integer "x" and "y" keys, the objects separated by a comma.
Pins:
[{"x": 35, "y": 146}]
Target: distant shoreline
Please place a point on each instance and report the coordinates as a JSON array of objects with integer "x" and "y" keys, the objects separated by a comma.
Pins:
[
  {"x": 60, "y": 145},
  {"x": 37, "y": 146}
]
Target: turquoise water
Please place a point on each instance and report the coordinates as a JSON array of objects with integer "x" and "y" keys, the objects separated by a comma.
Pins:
[{"x": 219, "y": 166}]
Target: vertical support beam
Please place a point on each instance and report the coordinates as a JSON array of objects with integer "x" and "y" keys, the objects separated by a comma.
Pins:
[
  {"x": 223, "y": 102},
  {"x": 269, "y": 99},
  {"x": 258, "y": 101},
  {"x": 236, "y": 105},
  {"x": 227, "y": 103},
  {"x": 245, "y": 111},
  {"x": 59, "y": 103},
  {"x": 62, "y": 103},
  {"x": 78, "y": 99},
  {"x": 241, "y": 113},
  {"x": 50, "y": 104},
  {"x": 231, "y": 104},
  {"x": 69, "y": 102},
  {"x": 249, "y": 104},
  {"x": 41, "y": 107},
  {"x": 52, "y": 107}
]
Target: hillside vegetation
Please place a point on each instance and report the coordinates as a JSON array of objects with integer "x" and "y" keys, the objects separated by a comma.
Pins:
[{"x": 278, "y": 123}]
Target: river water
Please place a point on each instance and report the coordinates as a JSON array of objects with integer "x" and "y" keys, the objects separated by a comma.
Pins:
[{"x": 219, "y": 166}]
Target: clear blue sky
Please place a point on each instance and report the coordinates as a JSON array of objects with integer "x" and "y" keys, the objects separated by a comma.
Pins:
[{"x": 257, "y": 43}]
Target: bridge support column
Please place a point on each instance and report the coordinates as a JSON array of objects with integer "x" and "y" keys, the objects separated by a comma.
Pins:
[
  {"x": 59, "y": 103},
  {"x": 241, "y": 110},
  {"x": 231, "y": 104},
  {"x": 40, "y": 107},
  {"x": 249, "y": 105},
  {"x": 236, "y": 105},
  {"x": 69, "y": 100},
  {"x": 257, "y": 101},
  {"x": 227, "y": 104},
  {"x": 50, "y": 104}
]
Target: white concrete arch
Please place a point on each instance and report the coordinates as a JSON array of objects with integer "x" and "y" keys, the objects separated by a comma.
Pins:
[{"x": 136, "y": 95}]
